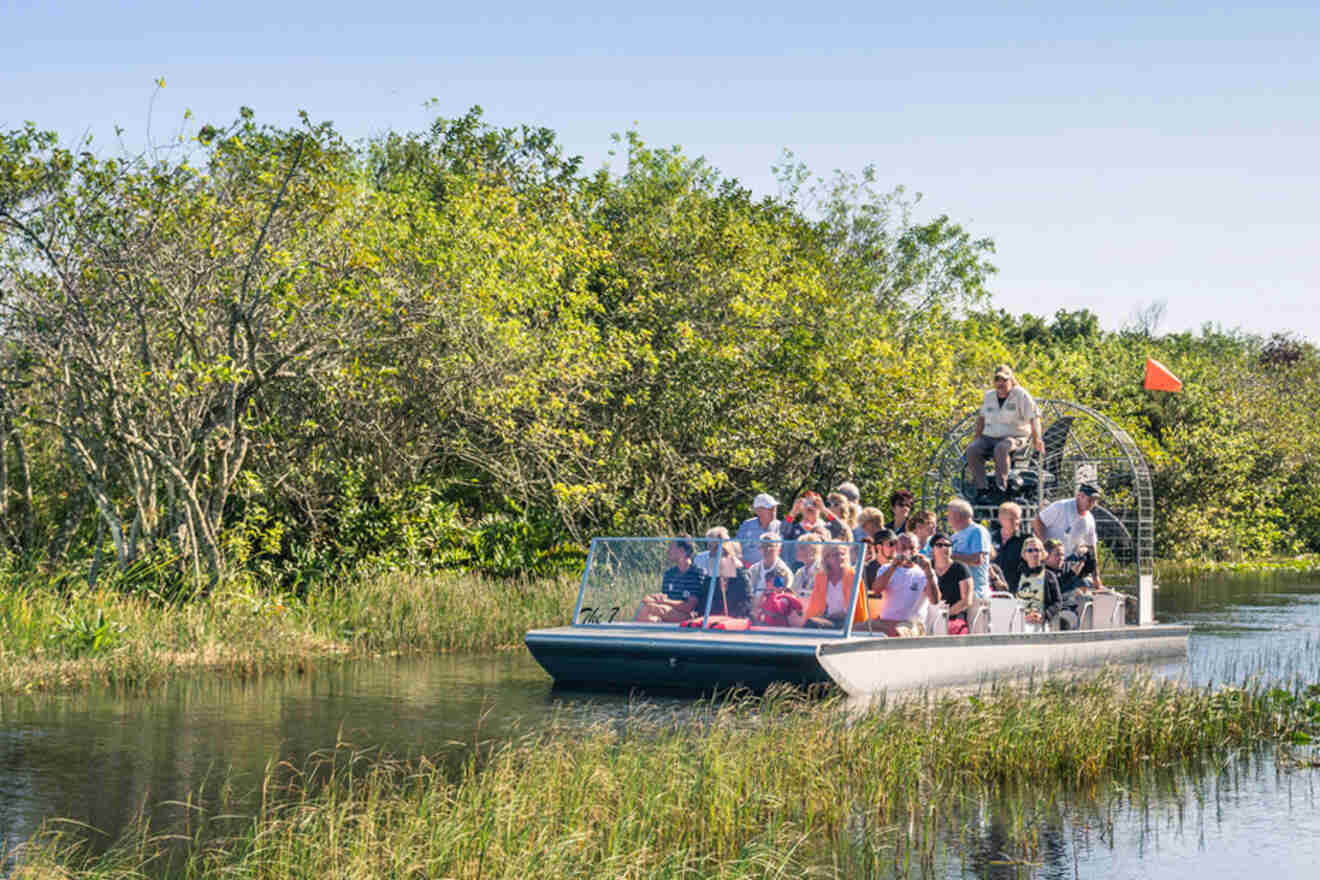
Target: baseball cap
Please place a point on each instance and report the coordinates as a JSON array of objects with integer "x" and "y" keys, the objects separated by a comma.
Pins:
[
  {"x": 1003, "y": 371},
  {"x": 1089, "y": 489},
  {"x": 764, "y": 500}
]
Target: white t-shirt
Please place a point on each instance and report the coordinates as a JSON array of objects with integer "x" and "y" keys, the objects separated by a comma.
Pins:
[
  {"x": 904, "y": 594},
  {"x": 1062, "y": 521},
  {"x": 835, "y": 601},
  {"x": 1012, "y": 418}
]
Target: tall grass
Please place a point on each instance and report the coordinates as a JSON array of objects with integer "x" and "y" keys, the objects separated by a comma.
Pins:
[
  {"x": 779, "y": 786},
  {"x": 52, "y": 638}
]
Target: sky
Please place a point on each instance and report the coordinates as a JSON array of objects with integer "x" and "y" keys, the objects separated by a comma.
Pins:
[{"x": 1121, "y": 156}]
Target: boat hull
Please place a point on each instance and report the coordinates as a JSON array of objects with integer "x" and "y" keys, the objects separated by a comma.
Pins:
[
  {"x": 628, "y": 657},
  {"x": 685, "y": 660}
]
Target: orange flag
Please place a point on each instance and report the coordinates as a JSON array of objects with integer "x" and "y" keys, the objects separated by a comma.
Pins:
[{"x": 1158, "y": 377}]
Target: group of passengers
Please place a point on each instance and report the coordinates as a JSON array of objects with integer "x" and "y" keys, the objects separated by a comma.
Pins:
[{"x": 799, "y": 571}]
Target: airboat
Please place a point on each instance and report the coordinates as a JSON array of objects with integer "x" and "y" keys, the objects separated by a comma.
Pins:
[{"x": 605, "y": 645}]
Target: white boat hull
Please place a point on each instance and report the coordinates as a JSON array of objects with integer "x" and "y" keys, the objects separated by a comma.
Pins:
[
  {"x": 863, "y": 666},
  {"x": 634, "y": 656}
]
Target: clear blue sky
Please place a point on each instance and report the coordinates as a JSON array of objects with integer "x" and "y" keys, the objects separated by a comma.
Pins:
[{"x": 1149, "y": 152}]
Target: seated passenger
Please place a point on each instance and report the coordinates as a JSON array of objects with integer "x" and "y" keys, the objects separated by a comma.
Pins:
[
  {"x": 705, "y": 560},
  {"x": 900, "y": 503},
  {"x": 1038, "y": 588},
  {"x": 807, "y": 513},
  {"x": 922, "y": 526},
  {"x": 808, "y": 560},
  {"x": 749, "y": 533},
  {"x": 770, "y": 574},
  {"x": 1008, "y": 556},
  {"x": 732, "y": 593},
  {"x": 844, "y": 511},
  {"x": 682, "y": 588},
  {"x": 1080, "y": 570},
  {"x": 882, "y": 547},
  {"x": 828, "y": 606},
  {"x": 902, "y": 586},
  {"x": 869, "y": 521},
  {"x": 955, "y": 578}
]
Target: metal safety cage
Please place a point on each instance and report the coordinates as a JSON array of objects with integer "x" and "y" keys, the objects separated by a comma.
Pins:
[{"x": 1081, "y": 445}]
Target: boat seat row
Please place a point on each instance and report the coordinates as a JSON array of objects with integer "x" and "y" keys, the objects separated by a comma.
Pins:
[{"x": 1005, "y": 613}]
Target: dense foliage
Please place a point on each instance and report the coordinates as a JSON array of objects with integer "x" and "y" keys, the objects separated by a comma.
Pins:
[{"x": 273, "y": 353}]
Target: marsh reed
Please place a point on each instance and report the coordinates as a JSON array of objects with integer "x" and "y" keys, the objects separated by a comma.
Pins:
[
  {"x": 57, "y": 639},
  {"x": 752, "y": 787}
]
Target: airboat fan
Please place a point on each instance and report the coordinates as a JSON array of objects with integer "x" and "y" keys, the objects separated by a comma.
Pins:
[{"x": 1081, "y": 445}]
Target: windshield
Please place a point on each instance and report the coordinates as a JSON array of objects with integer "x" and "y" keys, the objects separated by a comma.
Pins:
[{"x": 807, "y": 585}]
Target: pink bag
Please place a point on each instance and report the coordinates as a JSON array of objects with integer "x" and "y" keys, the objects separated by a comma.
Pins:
[{"x": 957, "y": 627}]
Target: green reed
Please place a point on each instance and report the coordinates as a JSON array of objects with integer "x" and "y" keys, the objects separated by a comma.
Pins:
[
  {"x": 777, "y": 786},
  {"x": 66, "y": 638}
]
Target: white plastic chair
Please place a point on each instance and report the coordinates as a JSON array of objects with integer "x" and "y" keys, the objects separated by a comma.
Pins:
[
  {"x": 1086, "y": 615},
  {"x": 980, "y": 613},
  {"x": 1107, "y": 609},
  {"x": 1007, "y": 613},
  {"x": 937, "y": 619}
]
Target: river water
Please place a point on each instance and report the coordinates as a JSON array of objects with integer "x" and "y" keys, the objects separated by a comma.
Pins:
[{"x": 102, "y": 759}]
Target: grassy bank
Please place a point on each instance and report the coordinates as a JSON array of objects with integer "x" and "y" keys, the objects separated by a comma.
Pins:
[
  {"x": 66, "y": 639},
  {"x": 54, "y": 638},
  {"x": 775, "y": 787}
]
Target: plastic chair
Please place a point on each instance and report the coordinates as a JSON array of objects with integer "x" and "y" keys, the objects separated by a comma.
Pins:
[
  {"x": 937, "y": 619},
  {"x": 1108, "y": 611},
  {"x": 1086, "y": 616},
  {"x": 1007, "y": 613},
  {"x": 980, "y": 619}
]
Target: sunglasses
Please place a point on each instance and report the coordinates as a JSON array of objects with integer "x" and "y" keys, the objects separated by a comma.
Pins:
[
  {"x": 1031, "y": 550},
  {"x": 942, "y": 544}
]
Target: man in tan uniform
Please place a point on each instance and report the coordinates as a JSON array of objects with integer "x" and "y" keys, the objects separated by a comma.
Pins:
[{"x": 1007, "y": 420}]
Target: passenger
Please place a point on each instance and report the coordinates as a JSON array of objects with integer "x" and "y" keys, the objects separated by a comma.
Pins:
[
  {"x": 1038, "y": 587},
  {"x": 922, "y": 526},
  {"x": 869, "y": 521},
  {"x": 808, "y": 512},
  {"x": 849, "y": 490},
  {"x": 732, "y": 592},
  {"x": 770, "y": 574},
  {"x": 1080, "y": 570},
  {"x": 845, "y": 511},
  {"x": 1077, "y": 576},
  {"x": 752, "y": 530},
  {"x": 1054, "y": 556},
  {"x": 900, "y": 503},
  {"x": 971, "y": 545},
  {"x": 808, "y": 560},
  {"x": 883, "y": 545},
  {"x": 828, "y": 606},
  {"x": 1009, "y": 555},
  {"x": 1070, "y": 520},
  {"x": 1007, "y": 420},
  {"x": 955, "y": 579},
  {"x": 902, "y": 585},
  {"x": 682, "y": 588},
  {"x": 705, "y": 560}
]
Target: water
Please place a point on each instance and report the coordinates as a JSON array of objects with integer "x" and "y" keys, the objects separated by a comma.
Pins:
[{"x": 102, "y": 759}]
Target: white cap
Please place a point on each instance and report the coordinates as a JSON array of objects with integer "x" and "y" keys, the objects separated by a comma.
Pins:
[{"x": 764, "y": 500}]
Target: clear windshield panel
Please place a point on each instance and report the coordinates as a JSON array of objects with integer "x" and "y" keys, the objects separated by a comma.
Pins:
[{"x": 806, "y": 585}]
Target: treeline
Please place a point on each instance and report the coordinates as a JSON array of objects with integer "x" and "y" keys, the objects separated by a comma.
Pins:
[{"x": 269, "y": 352}]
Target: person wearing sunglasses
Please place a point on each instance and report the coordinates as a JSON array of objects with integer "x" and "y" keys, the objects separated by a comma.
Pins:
[
  {"x": 1038, "y": 587},
  {"x": 954, "y": 577}
]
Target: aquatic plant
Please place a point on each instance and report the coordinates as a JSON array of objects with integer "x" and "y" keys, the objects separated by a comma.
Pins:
[{"x": 778, "y": 786}]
